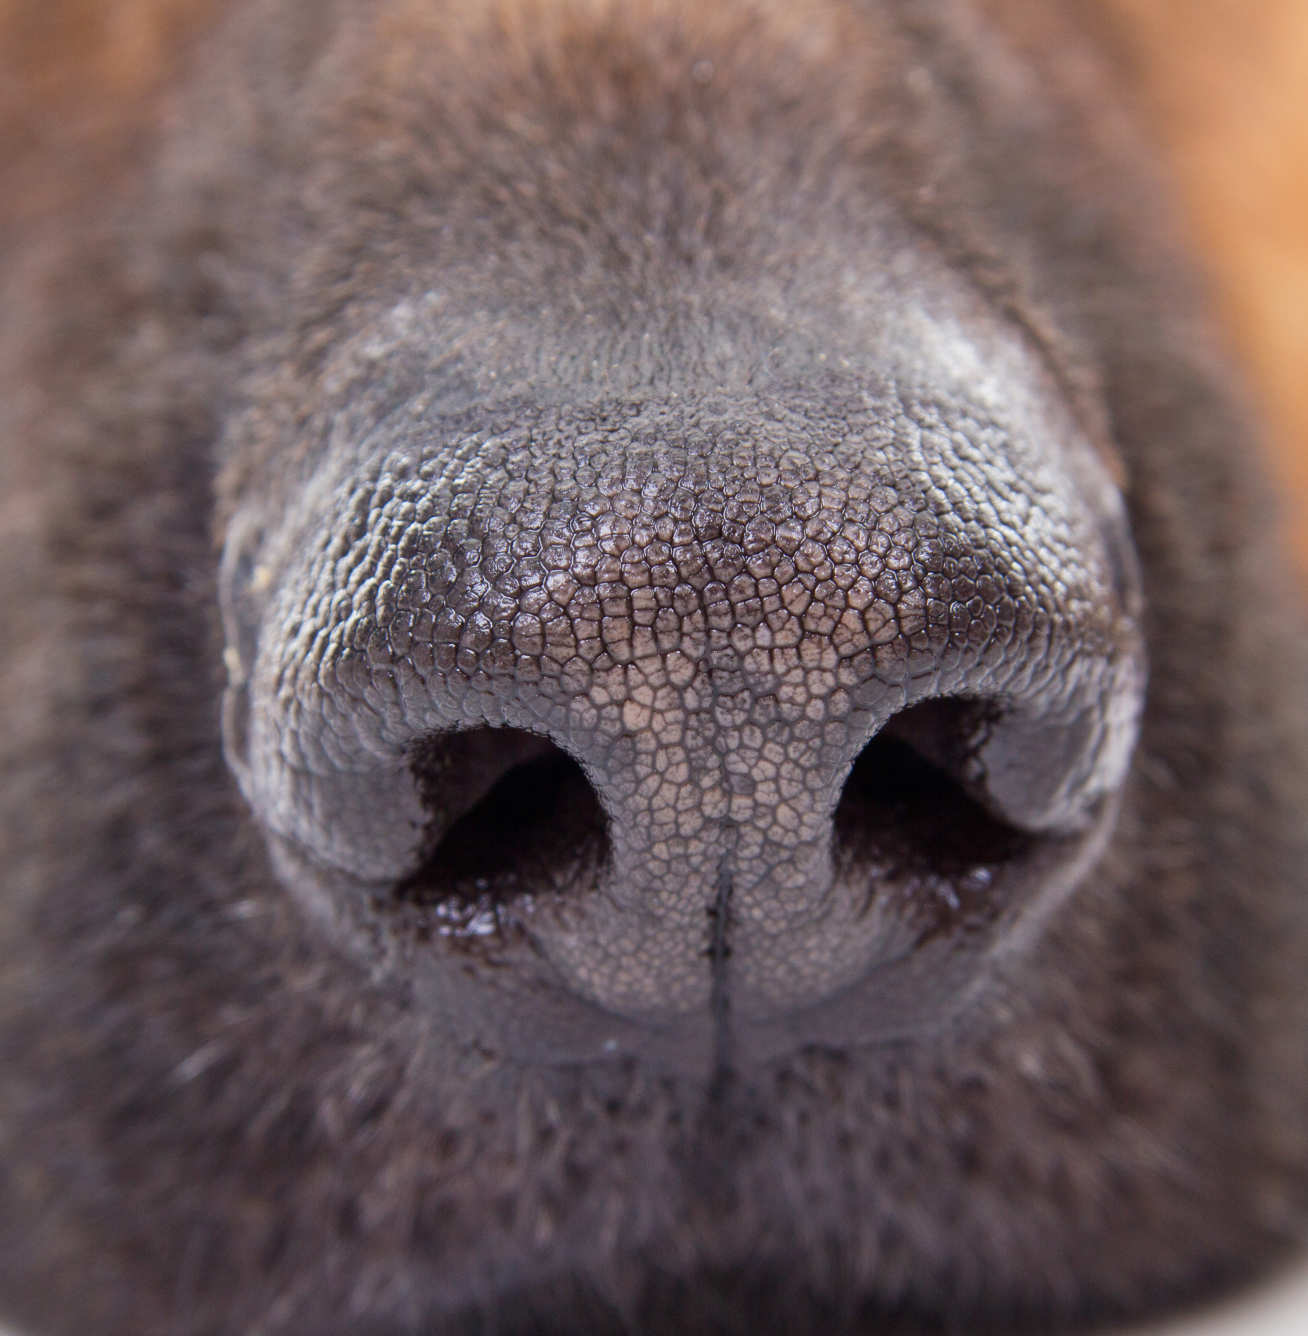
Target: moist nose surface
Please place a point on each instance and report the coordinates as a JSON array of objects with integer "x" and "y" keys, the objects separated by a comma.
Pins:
[{"x": 832, "y": 682}]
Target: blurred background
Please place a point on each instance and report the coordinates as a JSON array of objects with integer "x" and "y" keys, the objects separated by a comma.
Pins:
[{"x": 1226, "y": 82}]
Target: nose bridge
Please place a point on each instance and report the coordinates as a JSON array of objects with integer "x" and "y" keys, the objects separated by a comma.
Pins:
[{"x": 735, "y": 611}]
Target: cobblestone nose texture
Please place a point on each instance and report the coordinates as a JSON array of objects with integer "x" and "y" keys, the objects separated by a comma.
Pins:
[{"x": 712, "y": 608}]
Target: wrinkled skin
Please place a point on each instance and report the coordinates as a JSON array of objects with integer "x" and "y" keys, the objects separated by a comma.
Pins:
[{"x": 651, "y": 692}]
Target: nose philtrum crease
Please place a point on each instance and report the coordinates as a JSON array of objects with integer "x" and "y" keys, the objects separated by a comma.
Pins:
[{"x": 720, "y": 966}]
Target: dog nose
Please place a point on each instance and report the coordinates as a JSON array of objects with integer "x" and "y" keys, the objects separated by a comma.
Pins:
[{"x": 651, "y": 679}]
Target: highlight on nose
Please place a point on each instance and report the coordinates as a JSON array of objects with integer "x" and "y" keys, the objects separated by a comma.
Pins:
[{"x": 589, "y": 683}]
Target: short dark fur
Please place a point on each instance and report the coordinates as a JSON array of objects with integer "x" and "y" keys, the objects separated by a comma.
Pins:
[{"x": 211, "y": 1122}]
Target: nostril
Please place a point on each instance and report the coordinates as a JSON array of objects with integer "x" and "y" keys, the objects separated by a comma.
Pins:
[
  {"x": 530, "y": 824},
  {"x": 912, "y": 823}
]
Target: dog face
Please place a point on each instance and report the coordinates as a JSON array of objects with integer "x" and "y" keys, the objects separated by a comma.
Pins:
[{"x": 663, "y": 697}]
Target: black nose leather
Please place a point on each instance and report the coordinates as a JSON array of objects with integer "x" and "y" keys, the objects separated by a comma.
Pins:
[{"x": 612, "y": 673}]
